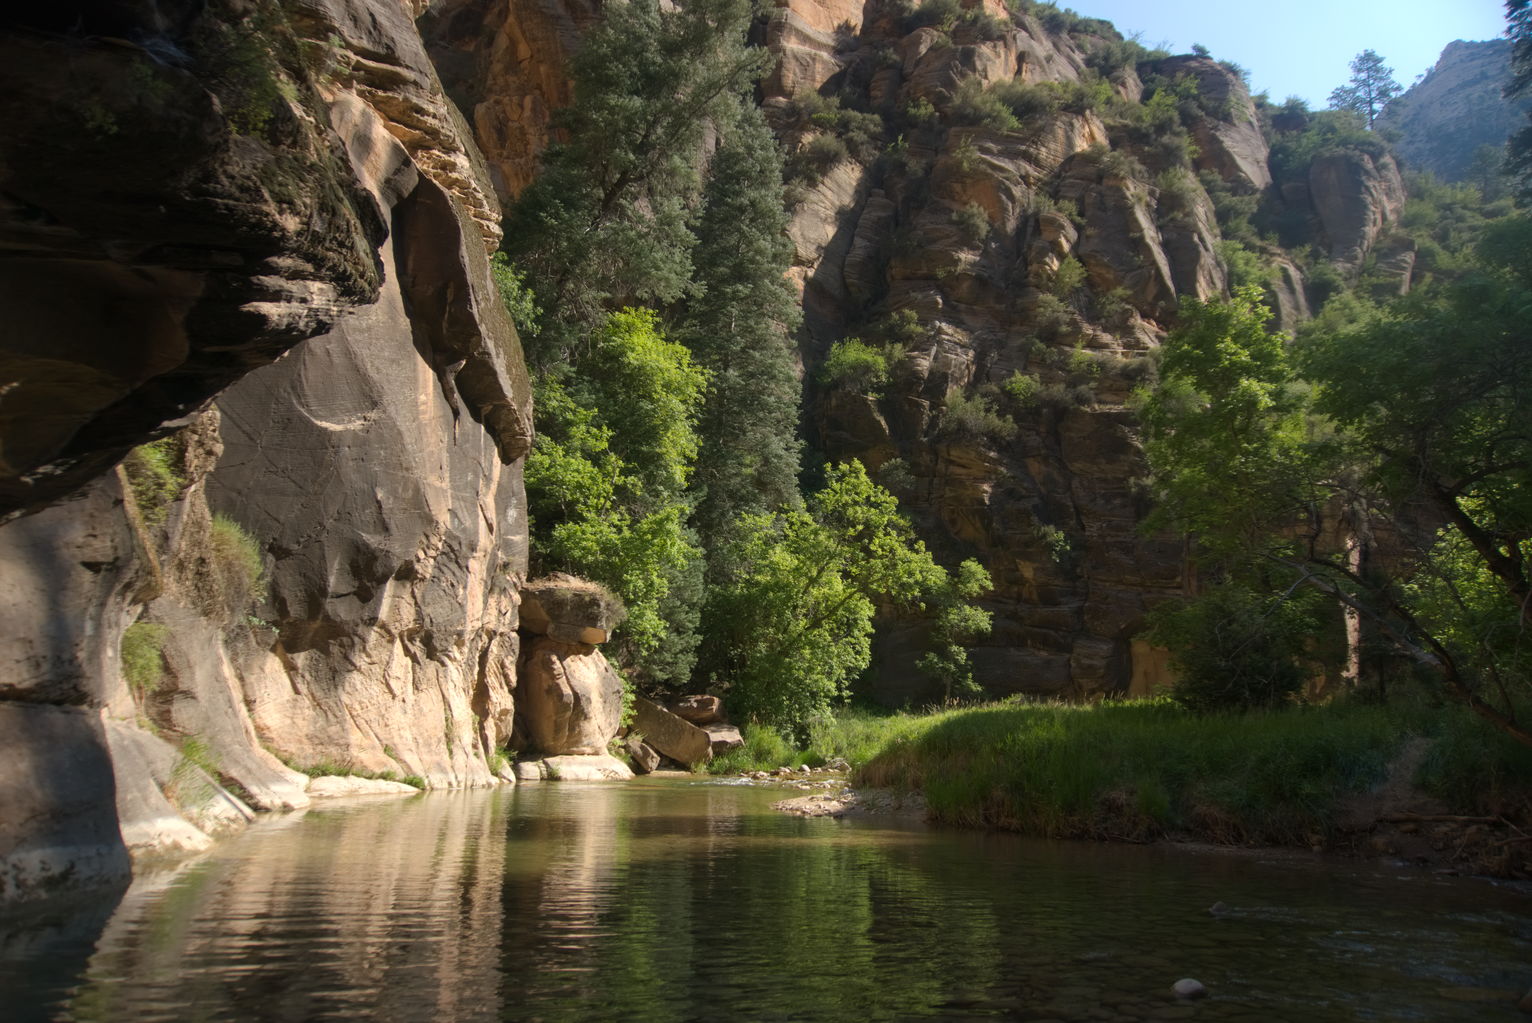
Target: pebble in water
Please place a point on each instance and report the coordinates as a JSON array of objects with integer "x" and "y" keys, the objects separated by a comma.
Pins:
[{"x": 1186, "y": 987}]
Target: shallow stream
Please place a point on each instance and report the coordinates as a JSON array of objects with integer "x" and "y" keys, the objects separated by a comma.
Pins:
[{"x": 694, "y": 900}]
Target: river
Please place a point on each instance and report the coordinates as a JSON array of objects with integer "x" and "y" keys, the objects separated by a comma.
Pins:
[{"x": 679, "y": 899}]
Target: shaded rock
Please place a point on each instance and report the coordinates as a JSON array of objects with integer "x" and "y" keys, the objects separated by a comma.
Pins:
[
  {"x": 1231, "y": 144},
  {"x": 1394, "y": 268},
  {"x": 166, "y": 804},
  {"x": 1188, "y": 988},
  {"x": 699, "y": 710},
  {"x": 569, "y": 609},
  {"x": 529, "y": 770},
  {"x": 1356, "y": 197},
  {"x": 805, "y": 35},
  {"x": 672, "y": 736},
  {"x": 602, "y": 767},
  {"x": 723, "y": 738},
  {"x": 1290, "y": 303},
  {"x": 333, "y": 786},
  {"x": 570, "y": 698},
  {"x": 58, "y": 821},
  {"x": 644, "y": 758}
]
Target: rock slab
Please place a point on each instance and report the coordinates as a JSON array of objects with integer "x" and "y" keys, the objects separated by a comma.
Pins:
[{"x": 676, "y": 738}]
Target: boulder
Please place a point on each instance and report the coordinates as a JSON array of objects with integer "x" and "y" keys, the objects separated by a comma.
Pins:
[
  {"x": 1356, "y": 197},
  {"x": 699, "y": 710},
  {"x": 602, "y": 767},
  {"x": 570, "y": 609},
  {"x": 675, "y": 737},
  {"x": 570, "y": 699},
  {"x": 723, "y": 737},
  {"x": 644, "y": 758}
]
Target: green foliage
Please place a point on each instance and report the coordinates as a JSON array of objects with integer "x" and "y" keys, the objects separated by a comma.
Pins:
[
  {"x": 237, "y": 575},
  {"x": 974, "y": 418},
  {"x": 143, "y": 664},
  {"x": 1021, "y": 389},
  {"x": 609, "y": 220},
  {"x": 514, "y": 292},
  {"x": 1068, "y": 278},
  {"x": 606, "y": 481},
  {"x": 787, "y": 634},
  {"x": 958, "y": 624},
  {"x": 1224, "y": 432},
  {"x": 739, "y": 329},
  {"x": 1234, "y": 649},
  {"x": 1246, "y": 267},
  {"x": 853, "y": 365},
  {"x": 972, "y": 222},
  {"x": 155, "y": 477},
  {"x": 1328, "y": 131}
]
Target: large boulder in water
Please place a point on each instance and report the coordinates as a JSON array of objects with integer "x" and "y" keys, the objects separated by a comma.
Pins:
[
  {"x": 569, "y": 698},
  {"x": 678, "y": 739}
]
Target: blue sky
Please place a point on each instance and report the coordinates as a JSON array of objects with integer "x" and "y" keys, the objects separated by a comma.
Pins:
[{"x": 1302, "y": 47}]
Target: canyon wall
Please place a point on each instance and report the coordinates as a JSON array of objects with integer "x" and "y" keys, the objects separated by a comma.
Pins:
[{"x": 190, "y": 191}]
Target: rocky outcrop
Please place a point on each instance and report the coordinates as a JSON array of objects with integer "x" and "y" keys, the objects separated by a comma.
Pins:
[
  {"x": 1356, "y": 196},
  {"x": 570, "y": 610},
  {"x": 1230, "y": 144},
  {"x": 180, "y": 211},
  {"x": 570, "y": 699}
]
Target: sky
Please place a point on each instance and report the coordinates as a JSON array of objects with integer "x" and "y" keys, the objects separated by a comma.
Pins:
[{"x": 1302, "y": 47}]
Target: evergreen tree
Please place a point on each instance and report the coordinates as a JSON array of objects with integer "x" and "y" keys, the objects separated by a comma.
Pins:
[
  {"x": 739, "y": 329},
  {"x": 1518, "y": 162},
  {"x": 607, "y": 222},
  {"x": 1372, "y": 86}
]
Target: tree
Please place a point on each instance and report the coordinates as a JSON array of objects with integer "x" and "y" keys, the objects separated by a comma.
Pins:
[
  {"x": 606, "y": 481},
  {"x": 607, "y": 222},
  {"x": 787, "y": 634},
  {"x": 1518, "y": 161},
  {"x": 739, "y": 327},
  {"x": 1372, "y": 86},
  {"x": 1410, "y": 424}
]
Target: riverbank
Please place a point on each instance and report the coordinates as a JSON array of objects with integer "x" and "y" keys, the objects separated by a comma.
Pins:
[{"x": 1427, "y": 785}]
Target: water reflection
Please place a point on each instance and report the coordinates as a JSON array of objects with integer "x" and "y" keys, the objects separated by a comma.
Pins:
[{"x": 682, "y": 901}]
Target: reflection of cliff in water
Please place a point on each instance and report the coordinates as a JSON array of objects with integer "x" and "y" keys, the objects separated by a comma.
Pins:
[{"x": 379, "y": 909}]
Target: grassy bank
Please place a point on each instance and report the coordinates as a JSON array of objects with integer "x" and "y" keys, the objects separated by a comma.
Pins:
[{"x": 1137, "y": 771}]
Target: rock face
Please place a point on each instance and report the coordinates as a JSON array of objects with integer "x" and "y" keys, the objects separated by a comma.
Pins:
[
  {"x": 569, "y": 610},
  {"x": 1356, "y": 196},
  {"x": 276, "y": 173},
  {"x": 1458, "y": 106},
  {"x": 570, "y": 699}
]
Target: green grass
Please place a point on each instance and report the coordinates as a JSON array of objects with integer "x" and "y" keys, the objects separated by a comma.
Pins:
[
  {"x": 1143, "y": 770},
  {"x": 853, "y": 736},
  {"x": 142, "y": 662}
]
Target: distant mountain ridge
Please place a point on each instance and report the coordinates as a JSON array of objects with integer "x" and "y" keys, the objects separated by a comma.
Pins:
[{"x": 1455, "y": 108}]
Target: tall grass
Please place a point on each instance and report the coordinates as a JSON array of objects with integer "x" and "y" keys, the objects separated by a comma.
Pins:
[
  {"x": 1141, "y": 770},
  {"x": 853, "y": 736}
]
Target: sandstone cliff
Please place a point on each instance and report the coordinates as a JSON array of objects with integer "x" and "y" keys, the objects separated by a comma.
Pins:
[
  {"x": 1457, "y": 107},
  {"x": 191, "y": 190}
]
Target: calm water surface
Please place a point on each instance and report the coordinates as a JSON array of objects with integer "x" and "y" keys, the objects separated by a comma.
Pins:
[{"x": 683, "y": 900}]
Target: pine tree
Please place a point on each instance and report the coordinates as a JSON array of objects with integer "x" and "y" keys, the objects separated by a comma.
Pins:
[
  {"x": 1372, "y": 86},
  {"x": 606, "y": 224},
  {"x": 739, "y": 329}
]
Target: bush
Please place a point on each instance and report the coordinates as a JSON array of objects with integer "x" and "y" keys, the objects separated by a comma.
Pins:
[
  {"x": 974, "y": 418},
  {"x": 1021, "y": 389},
  {"x": 972, "y": 222},
  {"x": 974, "y": 105},
  {"x": 1068, "y": 278},
  {"x": 1235, "y": 649},
  {"x": 143, "y": 663},
  {"x": 853, "y": 365}
]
